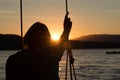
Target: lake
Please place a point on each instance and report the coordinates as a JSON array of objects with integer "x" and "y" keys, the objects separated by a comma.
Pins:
[{"x": 90, "y": 64}]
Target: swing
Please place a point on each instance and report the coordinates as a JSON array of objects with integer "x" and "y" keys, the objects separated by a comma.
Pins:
[{"x": 69, "y": 55}]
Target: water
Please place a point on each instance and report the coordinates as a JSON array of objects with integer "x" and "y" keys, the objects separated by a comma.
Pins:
[{"x": 90, "y": 64}]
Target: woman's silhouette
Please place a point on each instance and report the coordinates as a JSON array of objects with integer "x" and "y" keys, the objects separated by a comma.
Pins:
[{"x": 39, "y": 60}]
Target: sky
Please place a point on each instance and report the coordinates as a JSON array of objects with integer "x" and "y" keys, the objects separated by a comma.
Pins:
[{"x": 88, "y": 16}]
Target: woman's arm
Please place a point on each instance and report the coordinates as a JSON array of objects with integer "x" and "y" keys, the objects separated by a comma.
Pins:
[
  {"x": 65, "y": 35},
  {"x": 67, "y": 28}
]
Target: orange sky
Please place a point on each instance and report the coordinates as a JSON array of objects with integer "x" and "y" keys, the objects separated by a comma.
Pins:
[{"x": 88, "y": 16}]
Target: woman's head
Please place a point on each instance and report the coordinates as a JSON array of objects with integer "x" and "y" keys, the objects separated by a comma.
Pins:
[{"x": 38, "y": 35}]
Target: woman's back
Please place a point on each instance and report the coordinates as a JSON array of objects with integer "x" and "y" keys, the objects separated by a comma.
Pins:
[
  {"x": 40, "y": 60},
  {"x": 41, "y": 65}
]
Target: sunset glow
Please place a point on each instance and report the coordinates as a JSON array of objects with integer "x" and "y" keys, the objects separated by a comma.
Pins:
[
  {"x": 55, "y": 37},
  {"x": 87, "y": 16}
]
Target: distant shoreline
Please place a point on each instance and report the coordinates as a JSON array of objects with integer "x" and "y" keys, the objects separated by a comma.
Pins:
[{"x": 13, "y": 42}]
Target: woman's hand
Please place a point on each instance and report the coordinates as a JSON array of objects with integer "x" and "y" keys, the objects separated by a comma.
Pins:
[{"x": 67, "y": 23}]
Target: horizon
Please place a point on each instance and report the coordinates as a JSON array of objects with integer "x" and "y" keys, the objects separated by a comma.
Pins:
[
  {"x": 88, "y": 16},
  {"x": 56, "y": 38}
]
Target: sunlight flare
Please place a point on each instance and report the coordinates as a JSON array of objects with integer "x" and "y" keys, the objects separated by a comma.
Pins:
[{"x": 55, "y": 37}]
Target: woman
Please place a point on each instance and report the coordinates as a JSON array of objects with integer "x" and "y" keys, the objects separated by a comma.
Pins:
[{"x": 40, "y": 59}]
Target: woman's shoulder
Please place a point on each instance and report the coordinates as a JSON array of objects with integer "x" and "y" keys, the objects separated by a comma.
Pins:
[{"x": 17, "y": 55}]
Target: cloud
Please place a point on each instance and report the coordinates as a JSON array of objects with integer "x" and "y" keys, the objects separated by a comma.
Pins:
[
  {"x": 117, "y": 11},
  {"x": 7, "y": 12}
]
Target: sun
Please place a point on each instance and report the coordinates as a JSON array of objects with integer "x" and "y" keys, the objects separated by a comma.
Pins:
[{"x": 55, "y": 37}]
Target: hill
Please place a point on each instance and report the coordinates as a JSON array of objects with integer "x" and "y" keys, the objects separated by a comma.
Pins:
[
  {"x": 97, "y": 41},
  {"x": 99, "y": 38},
  {"x": 10, "y": 42}
]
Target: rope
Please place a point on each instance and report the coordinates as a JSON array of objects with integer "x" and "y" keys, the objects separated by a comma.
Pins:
[
  {"x": 74, "y": 72},
  {"x": 21, "y": 19},
  {"x": 70, "y": 66},
  {"x": 66, "y": 6},
  {"x": 66, "y": 66},
  {"x": 69, "y": 53}
]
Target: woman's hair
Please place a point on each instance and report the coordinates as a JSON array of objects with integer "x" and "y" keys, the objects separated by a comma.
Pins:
[{"x": 38, "y": 34}]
